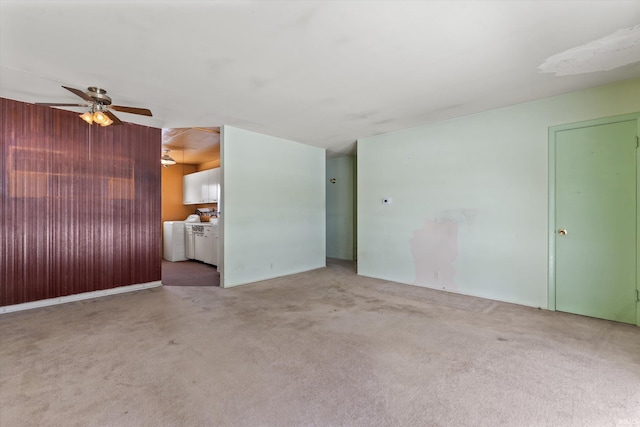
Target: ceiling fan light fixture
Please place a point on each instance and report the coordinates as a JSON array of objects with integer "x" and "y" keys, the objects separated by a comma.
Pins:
[
  {"x": 87, "y": 117},
  {"x": 100, "y": 118},
  {"x": 106, "y": 121},
  {"x": 166, "y": 159}
]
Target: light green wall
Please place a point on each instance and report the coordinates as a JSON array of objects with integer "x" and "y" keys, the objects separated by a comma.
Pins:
[
  {"x": 273, "y": 207},
  {"x": 469, "y": 211},
  {"x": 340, "y": 208}
]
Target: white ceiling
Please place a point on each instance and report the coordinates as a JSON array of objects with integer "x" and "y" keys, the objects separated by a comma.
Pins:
[{"x": 322, "y": 73}]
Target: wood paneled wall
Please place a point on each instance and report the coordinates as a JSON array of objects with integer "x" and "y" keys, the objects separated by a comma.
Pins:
[{"x": 80, "y": 205}]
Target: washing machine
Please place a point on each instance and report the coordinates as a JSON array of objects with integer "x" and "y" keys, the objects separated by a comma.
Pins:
[{"x": 174, "y": 238}]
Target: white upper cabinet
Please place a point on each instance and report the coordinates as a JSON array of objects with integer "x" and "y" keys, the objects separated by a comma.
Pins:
[
  {"x": 201, "y": 187},
  {"x": 191, "y": 189},
  {"x": 214, "y": 186},
  {"x": 205, "y": 186}
]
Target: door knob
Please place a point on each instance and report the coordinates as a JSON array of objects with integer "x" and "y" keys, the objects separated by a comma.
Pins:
[{"x": 562, "y": 232}]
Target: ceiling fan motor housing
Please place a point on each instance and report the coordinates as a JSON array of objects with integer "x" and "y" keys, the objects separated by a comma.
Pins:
[{"x": 99, "y": 95}]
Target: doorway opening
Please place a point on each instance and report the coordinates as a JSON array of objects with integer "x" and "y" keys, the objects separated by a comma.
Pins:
[{"x": 190, "y": 192}]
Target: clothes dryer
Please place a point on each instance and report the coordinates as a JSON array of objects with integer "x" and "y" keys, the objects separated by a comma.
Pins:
[{"x": 174, "y": 238}]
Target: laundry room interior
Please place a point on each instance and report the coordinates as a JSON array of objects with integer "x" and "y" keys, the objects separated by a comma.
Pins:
[{"x": 190, "y": 191}]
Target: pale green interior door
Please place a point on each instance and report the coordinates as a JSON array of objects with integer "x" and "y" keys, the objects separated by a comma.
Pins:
[{"x": 596, "y": 207}]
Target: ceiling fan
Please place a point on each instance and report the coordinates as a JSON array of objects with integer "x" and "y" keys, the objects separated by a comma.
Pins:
[{"x": 100, "y": 106}]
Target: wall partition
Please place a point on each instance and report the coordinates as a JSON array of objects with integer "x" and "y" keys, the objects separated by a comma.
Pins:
[
  {"x": 273, "y": 207},
  {"x": 80, "y": 205}
]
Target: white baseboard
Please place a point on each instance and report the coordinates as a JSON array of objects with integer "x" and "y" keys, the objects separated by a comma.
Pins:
[{"x": 78, "y": 297}]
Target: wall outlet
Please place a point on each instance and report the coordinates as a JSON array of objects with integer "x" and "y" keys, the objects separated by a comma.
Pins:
[{"x": 387, "y": 200}]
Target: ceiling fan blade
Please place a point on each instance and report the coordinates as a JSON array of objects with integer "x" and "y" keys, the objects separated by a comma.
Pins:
[
  {"x": 79, "y": 93},
  {"x": 57, "y": 104},
  {"x": 132, "y": 110},
  {"x": 116, "y": 121}
]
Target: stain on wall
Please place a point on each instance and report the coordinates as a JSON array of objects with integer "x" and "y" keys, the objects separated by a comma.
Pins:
[{"x": 435, "y": 248}]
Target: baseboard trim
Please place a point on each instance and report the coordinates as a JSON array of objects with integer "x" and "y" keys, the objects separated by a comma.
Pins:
[{"x": 78, "y": 297}]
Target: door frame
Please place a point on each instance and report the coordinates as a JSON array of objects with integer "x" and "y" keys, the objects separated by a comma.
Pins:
[{"x": 551, "y": 295}]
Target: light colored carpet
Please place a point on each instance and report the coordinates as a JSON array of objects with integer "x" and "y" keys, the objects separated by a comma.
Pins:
[{"x": 323, "y": 348}]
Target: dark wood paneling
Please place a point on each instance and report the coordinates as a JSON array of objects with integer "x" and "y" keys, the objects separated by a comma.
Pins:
[{"x": 80, "y": 205}]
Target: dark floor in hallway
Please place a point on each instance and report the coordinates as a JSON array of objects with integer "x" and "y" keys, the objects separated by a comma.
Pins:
[{"x": 189, "y": 273}]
